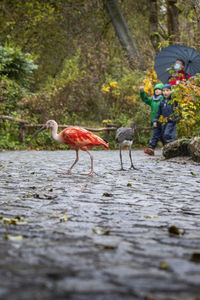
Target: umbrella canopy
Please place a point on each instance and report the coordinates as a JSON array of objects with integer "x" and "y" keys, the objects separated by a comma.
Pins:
[{"x": 167, "y": 57}]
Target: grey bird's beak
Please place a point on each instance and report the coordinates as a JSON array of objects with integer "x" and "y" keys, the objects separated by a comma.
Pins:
[{"x": 40, "y": 130}]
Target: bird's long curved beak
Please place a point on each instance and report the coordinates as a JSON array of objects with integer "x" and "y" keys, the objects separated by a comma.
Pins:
[{"x": 41, "y": 129}]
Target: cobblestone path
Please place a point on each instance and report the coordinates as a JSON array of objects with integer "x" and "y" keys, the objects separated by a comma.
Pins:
[{"x": 102, "y": 237}]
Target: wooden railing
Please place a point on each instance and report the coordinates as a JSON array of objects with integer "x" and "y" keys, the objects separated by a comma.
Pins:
[{"x": 23, "y": 125}]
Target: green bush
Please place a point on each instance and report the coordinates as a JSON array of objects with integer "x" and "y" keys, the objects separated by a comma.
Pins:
[
  {"x": 10, "y": 94},
  {"x": 16, "y": 65}
]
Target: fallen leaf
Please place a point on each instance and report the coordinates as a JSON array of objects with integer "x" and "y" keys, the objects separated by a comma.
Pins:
[
  {"x": 164, "y": 265},
  {"x": 13, "y": 238},
  {"x": 150, "y": 217},
  {"x": 64, "y": 218},
  {"x": 29, "y": 195},
  {"x": 101, "y": 232},
  {"x": 97, "y": 231},
  {"x": 193, "y": 174},
  {"x": 13, "y": 221},
  {"x": 109, "y": 247}
]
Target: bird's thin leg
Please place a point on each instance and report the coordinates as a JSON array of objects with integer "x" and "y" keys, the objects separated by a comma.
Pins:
[
  {"x": 69, "y": 171},
  {"x": 92, "y": 168},
  {"x": 120, "y": 155},
  {"x": 132, "y": 166}
]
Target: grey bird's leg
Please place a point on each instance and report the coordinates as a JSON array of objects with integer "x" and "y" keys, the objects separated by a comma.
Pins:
[
  {"x": 132, "y": 166},
  {"x": 120, "y": 155}
]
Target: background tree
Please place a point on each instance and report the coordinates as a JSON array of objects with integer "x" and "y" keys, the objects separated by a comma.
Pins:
[
  {"x": 173, "y": 21},
  {"x": 123, "y": 32},
  {"x": 153, "y": 24}
]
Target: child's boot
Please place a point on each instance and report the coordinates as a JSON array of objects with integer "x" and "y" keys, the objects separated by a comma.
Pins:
[{"x": 149, "y": 151}]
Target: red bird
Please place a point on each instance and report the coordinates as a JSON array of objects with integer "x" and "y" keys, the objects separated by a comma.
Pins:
[{"x": 77, "y": 138}]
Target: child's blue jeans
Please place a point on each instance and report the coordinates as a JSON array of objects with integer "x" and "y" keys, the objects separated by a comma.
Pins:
[{"x": 164, "y": 133}]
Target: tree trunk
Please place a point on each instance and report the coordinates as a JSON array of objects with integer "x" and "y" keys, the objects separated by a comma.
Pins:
[
  {"x": 172, "y": 22},
  {"x": 123, "y": 33},
  {"x": 197, "y": 10},
  {"x": 153, "y": 24}
]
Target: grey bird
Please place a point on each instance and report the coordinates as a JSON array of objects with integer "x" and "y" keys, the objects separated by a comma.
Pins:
[{"x": 124, "y": 137}]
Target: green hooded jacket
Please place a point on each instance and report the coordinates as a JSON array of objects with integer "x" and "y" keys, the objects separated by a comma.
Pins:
[{"x": 153, "y": 101}]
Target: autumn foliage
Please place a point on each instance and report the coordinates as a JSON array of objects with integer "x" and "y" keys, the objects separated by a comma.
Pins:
[{"x": 188, "y": 97}]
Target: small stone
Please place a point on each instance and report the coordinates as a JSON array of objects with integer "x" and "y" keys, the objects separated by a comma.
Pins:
[
  {"x": 107, "y": 195},
  {"x": 195, "y": 257},
  {"x": 173, "y": 230}
]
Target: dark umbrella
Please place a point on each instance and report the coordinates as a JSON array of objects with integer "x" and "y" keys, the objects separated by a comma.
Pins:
[{"x": 167, "y": 57}]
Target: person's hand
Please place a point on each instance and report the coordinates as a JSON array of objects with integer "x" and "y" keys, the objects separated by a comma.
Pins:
[
  {"x": 141, "y": 88},
  {"x": 155, "y": 124}
]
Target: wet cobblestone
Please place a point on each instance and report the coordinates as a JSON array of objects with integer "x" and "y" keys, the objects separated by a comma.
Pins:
[{"x": 102, "y": 237}]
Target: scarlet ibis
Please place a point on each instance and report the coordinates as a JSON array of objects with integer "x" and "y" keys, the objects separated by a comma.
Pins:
[
  {"x": 124, "y": 137},
  {"x": 77, "y": 138}
]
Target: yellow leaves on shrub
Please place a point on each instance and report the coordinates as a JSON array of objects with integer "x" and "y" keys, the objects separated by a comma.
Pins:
[
  {"x": 163, "y": 120},
  {"x": 112, "y": 85},
  {"x": 192, "y": 122},
  {"x": 106, "y": 121},
  {"x": 188, "y": 97},
  {"x": 105, "y": 89},
  {"x": 134, "y": 88},
  {"x": 149, "y": 81},
  {"x": 148, "y": 87}
]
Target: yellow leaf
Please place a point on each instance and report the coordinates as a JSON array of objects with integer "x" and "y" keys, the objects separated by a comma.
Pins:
[
  {"x": 105, "y": 89},
  {"x": 113, "y": 84},
  {"x": 100, "y": 232},
  {"x": 164, "y": 265},
  {"x": 64, "y": 218},
  {"x": 12, "y": 237},
  {"x": 97, "y": 231}
]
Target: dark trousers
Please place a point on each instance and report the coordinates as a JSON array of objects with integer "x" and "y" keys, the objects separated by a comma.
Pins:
[{"x": 164, "y": 133}]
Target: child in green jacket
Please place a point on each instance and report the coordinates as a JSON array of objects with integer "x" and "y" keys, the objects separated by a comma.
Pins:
[{"x": 154, "y": 100}]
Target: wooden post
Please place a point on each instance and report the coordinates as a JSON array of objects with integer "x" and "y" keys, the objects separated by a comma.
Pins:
[
  {"x": 107, "y": 134},
  {"x": 22, "y": 128}
]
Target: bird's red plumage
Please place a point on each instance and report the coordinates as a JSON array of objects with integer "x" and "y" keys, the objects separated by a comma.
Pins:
[{"x": 80, "y": 138}]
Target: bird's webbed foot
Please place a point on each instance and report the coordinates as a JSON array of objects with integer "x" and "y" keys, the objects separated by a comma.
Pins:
[
  {"x": 122, "y": 169},
  {"x": 65, "y": 173},
  {"x": 132, "y": 167},
  {"x": 90, "y": 173}
]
